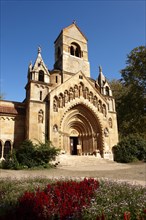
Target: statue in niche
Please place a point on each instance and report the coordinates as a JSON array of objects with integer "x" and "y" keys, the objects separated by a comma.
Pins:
[
  {"x": 76, "y": 91},
  {"x": 40, "y": 116},
  {"x": 91, "y": 97},
  {"x": 66, "y": 97},
  {"x": 106, "y": 132},
  {"x": 99, "y": 106},
  {"x": 55, "y": 128},
  {"x": 60, "y": 102},
  {"x": 80, "y": 90},
  {"x": 55, "y": 108},
  {"x": 104, "y": 110},
  {"x": 110, "y": 123},
  {"x": 95, "y": 101},
  {"x": 71, "y": 95},
  {"x": 86, "y": 93}
]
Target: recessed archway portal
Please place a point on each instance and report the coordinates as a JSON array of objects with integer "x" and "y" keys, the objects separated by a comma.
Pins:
[{"x": 81, "y": 131}]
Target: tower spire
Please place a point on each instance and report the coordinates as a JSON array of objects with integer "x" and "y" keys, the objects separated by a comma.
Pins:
[{"x": 39, "y": 50}]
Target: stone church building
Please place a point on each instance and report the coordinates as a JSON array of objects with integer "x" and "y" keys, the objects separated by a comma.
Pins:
[{"x": 64, "y": 105}]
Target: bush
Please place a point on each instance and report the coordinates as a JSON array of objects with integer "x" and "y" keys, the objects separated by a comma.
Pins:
[
  {"x": 25, "y": 154},
  {"x": 10, "y": 162},
  {"x": 130, "y": 149},
  {"x": 30, "y": 155}
]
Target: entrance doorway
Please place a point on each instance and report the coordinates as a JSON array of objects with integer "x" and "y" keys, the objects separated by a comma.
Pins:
[{"x": 73, "y": 145}]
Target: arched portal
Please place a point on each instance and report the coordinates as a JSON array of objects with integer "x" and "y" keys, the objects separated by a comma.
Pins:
[{"x": 81, "y": 131}]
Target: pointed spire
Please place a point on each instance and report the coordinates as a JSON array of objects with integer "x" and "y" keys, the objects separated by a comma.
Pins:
[
  {"x": 39, "y": 50},
  {"x": 30, "y": 66},
  {"x": 100, "y": 69},
  {"x": 101, "y": 77},
  {"x": 74, "y": 22}
]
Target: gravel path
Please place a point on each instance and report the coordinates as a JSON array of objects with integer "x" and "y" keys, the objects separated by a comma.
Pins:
[{"x": 132, "y": 173}]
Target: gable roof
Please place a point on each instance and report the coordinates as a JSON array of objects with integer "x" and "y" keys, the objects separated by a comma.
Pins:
[{"x": 68, "y": 27}]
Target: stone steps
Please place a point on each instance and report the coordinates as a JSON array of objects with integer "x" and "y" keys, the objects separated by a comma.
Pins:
[{"x": 81, "y": 162}]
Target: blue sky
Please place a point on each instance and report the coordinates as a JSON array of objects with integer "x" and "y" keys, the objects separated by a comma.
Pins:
[{"x": 113, "y": 29}]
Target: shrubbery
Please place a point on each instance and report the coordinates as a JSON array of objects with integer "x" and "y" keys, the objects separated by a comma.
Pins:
[
  {"x": 30, "y": 155},
  {"x": 130, "y": 149}
]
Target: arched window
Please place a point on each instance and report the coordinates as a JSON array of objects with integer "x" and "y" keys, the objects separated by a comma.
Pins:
[
  {"x": 107, "y": 90},
  {"x": 7, "y": 148},
  {"x": 41, "y": 76},
  {"x": 75, "y": 50}
]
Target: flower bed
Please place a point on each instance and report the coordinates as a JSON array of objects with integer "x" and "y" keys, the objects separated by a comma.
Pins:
[
  {"x": 85, "y": 199},
  {"x": 62, "y": 200}
]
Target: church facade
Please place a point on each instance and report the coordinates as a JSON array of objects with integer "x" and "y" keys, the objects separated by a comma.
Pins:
[{"x": 64, "y": 105}]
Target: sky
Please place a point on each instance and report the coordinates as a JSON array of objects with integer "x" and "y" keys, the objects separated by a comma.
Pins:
[{"x": 113, "y": 29}]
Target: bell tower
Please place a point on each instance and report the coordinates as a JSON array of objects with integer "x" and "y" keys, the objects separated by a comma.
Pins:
[
  {"x": 71, "y": 52},
  {"x": 37, "y": 90}
]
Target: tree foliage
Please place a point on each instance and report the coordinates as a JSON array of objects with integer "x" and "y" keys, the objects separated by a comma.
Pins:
[
  {"x": 130, "y": 149},
  {"x": 129, "y": 94}
]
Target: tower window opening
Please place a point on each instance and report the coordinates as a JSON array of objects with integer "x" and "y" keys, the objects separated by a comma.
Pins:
[
  {"x": 41, "y": 76},
  {"x": 56, "y": 79},
  {"x": 107, "y": 90},
  {"x": 75, "y": 50},
  {"x": 72, "y": 50},
  {"x": 40, "y": 95},
  {"x": 77, "y": 53}
]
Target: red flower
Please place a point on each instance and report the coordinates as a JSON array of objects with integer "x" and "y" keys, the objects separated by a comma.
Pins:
[
  {"x": 62, "y": 199},
  {"x": 126, "y": 215}
]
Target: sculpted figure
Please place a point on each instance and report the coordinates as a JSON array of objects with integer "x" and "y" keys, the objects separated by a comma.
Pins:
[{"x": 40, "y": 116}]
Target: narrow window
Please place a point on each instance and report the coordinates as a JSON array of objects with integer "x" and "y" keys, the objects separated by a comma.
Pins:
[
  {"x": 41, "y": 76},
  {"x": 40, "y": 95},
  {"x": 107, "y": 91},
  {"x": 56, "y": 79}
]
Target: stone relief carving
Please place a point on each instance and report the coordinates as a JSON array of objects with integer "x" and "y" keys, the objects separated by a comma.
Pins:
[
  {"x": 106, "y": 132},
  {"x": 110, "y": 122},
  {"x": 40, "y": 116},
  {"x": 55, "y": 128},
  {"x": 55, "y": 105},
  {"x": 104, "y": 110},
  {"x": 77, "y": 91}
]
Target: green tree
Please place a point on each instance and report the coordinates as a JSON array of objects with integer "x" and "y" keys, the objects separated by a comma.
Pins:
[{"x": 129, "y": 94}]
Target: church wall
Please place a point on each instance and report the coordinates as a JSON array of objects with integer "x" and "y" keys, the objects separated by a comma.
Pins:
[
  {"x": 36, "y": 122},
  {"x": 38, "y": 91},
  {"x": 12, "y": 122},
  {"x": 75, "y": 64}
]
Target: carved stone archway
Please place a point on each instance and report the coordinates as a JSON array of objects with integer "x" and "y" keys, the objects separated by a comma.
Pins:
[{"x": 81, "y": 125}]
